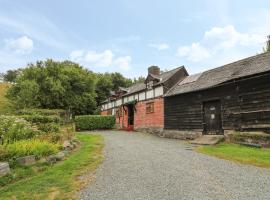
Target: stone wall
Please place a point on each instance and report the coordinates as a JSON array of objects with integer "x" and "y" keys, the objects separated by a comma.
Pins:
[
  {"x": 174, "y": 134},
  {"x": 259, "y": 139},
  {"x": 183, "y": 135}
]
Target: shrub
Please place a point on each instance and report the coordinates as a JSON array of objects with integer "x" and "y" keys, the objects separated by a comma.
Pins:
[
  {"x": 49, "y": 127},
  {"x": 13, "y": 129},
  {"x": 92, "y": 122},
  {"x": 36, "y": 118},
  {"x": 21, "y": 148},
  {"x": 45, "y": 112}
]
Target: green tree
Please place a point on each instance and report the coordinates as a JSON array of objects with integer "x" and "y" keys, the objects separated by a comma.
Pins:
[
  {"x": 140, "y": 79},
  {"x": 2, "y": 76},
  {"x": 104, "y": 86},
  {"x": 25, "y": 94},
  {"x": 118, "y": 80},
  {"x": 11, "y": 75},
  {"x": 267, "y": 48},
  {"x": 64, "y": 85}
]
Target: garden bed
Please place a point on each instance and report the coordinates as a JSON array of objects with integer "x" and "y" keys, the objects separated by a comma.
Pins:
[{"x": 57, "y": 181}]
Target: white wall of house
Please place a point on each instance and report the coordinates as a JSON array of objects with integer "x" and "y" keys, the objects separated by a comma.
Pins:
[
  {"x": 158, "y": 91},
  {"x": 141, "y": 96},
  {"x": 149, "y": 94},
  {"x": 125, "y": 99},
  {"x": 119, "y": 102}
]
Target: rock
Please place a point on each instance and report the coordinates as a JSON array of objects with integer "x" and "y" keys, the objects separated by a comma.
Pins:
[
  {"x": 51, "y": 159},
  {"x": 26, "y": 160},
  {"x": 43, "y": 160},
  {"x": 65, "y": 152},
  {"x": 57, "y": 157},
  {"x": 60, "y": 155},
  {"x": 67, "y": 145},
  {"x": 4, "y": 168}
]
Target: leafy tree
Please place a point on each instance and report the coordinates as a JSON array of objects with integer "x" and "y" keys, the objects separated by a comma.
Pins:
[
  {"x": 104, "y": 86},
  {"x": 25, "y": 94},
  {"x": 2, "y": 76},
  {"x": 11, "y": 75},
  {"x": 140, "y": 79},
  {"x": 118, "y": 80},
  {"x": 55, "y": 84},
  {"x": 108, "y": 82},
  {"x": 267, "y": 48}
]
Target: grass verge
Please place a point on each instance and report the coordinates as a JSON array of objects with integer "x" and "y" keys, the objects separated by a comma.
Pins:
[
  {"x": 61, "y": 180},
  {"x": 239, "y": 153}
]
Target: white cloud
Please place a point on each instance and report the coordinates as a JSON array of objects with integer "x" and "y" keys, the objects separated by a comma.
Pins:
[
  {"x": 218, "y": 40},
  {"x": 227, "y": 37},
  {"x": 161, "y": 46},
  {"x": 123, "y": 63},
  {"x": 105, "y": 59},
  {"x": 195, "y": 52},
  {"x": 23, "y": 45}
]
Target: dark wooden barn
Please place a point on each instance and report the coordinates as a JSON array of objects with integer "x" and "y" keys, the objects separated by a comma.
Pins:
[{"x": 232, "y": 97}]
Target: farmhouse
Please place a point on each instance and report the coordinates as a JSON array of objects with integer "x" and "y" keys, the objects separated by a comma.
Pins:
[
  {"x": 141, "y": 106},
  {"x": 235, "y": 96}
]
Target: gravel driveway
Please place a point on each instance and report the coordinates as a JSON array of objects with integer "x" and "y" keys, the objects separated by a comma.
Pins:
[{"x": 142, "y": 166}]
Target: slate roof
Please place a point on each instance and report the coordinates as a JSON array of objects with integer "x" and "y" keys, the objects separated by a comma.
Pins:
[
  {"x": 163, "y": 77},
  {"x": 211, "y": 78}
]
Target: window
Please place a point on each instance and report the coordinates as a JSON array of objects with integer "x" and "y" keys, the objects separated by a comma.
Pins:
[{"x": 150, "y": 107}]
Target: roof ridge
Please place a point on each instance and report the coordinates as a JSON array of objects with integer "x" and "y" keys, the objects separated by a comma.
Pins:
[
  {"x": 173, "y": 69},
  {"x": 241, "y": 68},
  {"x": 237, "y": 61}
]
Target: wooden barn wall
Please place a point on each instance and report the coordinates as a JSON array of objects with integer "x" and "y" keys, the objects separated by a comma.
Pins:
[{"x": 245, "y": 104}]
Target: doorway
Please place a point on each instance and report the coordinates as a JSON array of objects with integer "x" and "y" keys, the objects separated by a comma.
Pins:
[
  {"x": 131, "y": 115},
  {"x": 212, "y": 118}
]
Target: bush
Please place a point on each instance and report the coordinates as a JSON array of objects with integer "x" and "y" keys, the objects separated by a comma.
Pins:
[
  {"x": 36, "y": 118},
  {"x": 93, "y": 122},
  {"x": 13, "y": 129},
  {"x": 21, "y": 148},
  {"x": 45, "y": 112},
  {"x": 49, "y": 127}
]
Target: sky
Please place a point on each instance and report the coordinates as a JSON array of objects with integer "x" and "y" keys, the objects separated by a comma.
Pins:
[{"x": 129, "y": 36}]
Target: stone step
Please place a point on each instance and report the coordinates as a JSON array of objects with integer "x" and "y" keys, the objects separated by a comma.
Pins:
[
  {"x": 4, "y": 168},
  {"x": 208, "y": 140}
]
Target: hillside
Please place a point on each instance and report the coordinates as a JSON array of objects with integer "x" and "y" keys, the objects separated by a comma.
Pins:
[{"x": 5, "y": 105}]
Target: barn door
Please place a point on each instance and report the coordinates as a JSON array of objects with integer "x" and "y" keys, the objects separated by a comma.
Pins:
[{"x": 212, "y": 118}]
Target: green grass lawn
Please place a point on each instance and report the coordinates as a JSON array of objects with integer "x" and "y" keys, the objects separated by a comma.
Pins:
[
  {"x": 239, "y": 153},
  {"x": 61, "y": 180},
  {"x": 5, "y": 105}
]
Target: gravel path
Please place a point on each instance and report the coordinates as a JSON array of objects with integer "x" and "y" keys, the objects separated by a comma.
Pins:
[{"x": 141, "y": 166}]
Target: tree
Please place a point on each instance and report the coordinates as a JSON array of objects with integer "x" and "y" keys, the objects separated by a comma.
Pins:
[
  {"x": 26, "y": 94},
  {"x": 104, "y": 86},
  {"x": 64, "y": 85},
  {"x": 118, "y": 80},
  {"x": 11, "y": 75},
  {"x": 140, "y": 79},
  {"x": 2, "y": 77},
  {"x": 267, "y": 48}
]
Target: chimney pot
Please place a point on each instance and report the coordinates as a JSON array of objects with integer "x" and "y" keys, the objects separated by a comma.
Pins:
[{"x": 155, "y": 70}]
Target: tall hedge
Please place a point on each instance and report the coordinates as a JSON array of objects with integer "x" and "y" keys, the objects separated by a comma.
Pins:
[{"x": 94, "y": 122}]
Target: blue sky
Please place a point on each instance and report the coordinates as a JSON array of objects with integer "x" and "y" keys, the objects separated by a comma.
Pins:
[{"x": 128, "y": 36}]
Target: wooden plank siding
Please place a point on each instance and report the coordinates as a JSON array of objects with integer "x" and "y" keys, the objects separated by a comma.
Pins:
[{"x": 245, "y": 104}]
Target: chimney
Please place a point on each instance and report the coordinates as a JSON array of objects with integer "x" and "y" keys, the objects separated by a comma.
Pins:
[{"x": 154, "y": 70}]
